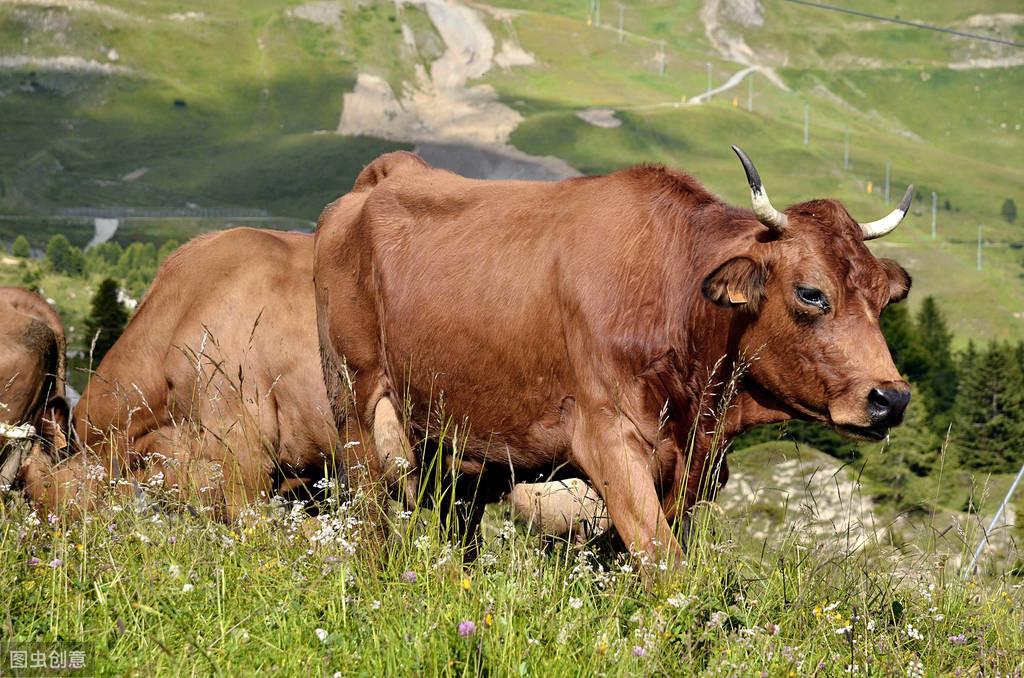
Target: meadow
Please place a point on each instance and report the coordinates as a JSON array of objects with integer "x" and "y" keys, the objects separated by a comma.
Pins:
[
  {"x": 161, "y": 589},
  {"x": 806, "y": 565}
]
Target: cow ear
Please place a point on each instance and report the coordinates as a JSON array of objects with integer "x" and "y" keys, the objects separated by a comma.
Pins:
[
  {"x": 738, "y": 282},
  {"x": 899, "y": 280},
  {"x": 55, "y": 425}
]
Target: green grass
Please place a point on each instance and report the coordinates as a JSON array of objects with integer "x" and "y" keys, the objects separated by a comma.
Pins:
[
  {"x": 259, "y": 85},
  {"x": 169, "y": 593}
]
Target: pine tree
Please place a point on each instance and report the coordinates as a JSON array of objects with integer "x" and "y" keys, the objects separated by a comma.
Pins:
[
  {"x": 1009, "y": 210},
  {"x": 989, "y": 412},
  {"x": 64, "y": 257},
  {"x": 901, "y": 336},
  {"x": 21, "y": 248},
  {"x": 103, "y": 258},
  {"x": 107, "y": 320},
  {"x": 914, "y": 443},
  {"x": 938, "y": 383}
]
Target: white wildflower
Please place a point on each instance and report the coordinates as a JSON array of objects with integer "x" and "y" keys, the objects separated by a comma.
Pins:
[
  {"x": 507, "y": 530},
  {"x": 680, "y": 600},
  {"x": 717, "y": 619}
]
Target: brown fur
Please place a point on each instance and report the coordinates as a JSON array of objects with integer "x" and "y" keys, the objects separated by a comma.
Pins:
[
  {"x": 563, "y": 326},
  {"x": 32, "y": 378},
  {"x": 251, "y": 420},
  {"x": 32, "y": 350}
]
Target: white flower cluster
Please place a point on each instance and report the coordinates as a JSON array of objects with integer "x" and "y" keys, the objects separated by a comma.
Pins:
[
  {"x": 680, "y": 600},
  {"x": 337, "y": 529}
]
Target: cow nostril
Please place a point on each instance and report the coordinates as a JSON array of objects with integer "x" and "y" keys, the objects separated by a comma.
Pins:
[
  {"x": 887, "y": 405},
  {"x": 879, "y": 399}
]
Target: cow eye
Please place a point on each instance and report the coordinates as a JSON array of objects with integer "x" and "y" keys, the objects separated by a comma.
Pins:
[{"x": 812, "y": 297}]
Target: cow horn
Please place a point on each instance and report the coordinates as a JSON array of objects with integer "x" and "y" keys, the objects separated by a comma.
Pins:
[
  {"x": 876, "y": 229},
  {"x": 769, "y": 216}
]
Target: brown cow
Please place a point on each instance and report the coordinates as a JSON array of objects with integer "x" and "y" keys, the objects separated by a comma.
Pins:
[
  {"x": 583, "y": 325},
  {"x": 214, "y": 388},
  {"x": 33, "y": 413},
  {"x": 167, "y": 398}
]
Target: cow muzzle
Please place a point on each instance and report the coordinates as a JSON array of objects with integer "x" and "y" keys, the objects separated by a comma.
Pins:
[
  {"x": 884, "y": 406},
  {"x": 887, "y": 405}
]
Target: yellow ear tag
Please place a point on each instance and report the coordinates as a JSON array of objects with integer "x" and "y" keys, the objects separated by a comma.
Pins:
[
  {"x": 60, "y": 441},
  {"x": 735, "y": 296}
]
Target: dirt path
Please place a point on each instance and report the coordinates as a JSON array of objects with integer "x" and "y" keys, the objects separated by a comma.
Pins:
[
  {"x": 736, "y": 79},
  {"x": 441, "y": 110},
  {"x": 733, "y": 47},
  {"x": 73, "y": 5},
  {"x": 440, "y": 105},
  {"x": 62, "y": 64},
  {"x": 105, "y": 229}
]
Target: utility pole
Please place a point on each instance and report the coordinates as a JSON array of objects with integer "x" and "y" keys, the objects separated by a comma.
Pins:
[
  {"x": 991, "y": 526},
  {"x": 661, "y": 59},
  {"x": 979, "y": 247},
  {"x": 846, "y": 149},
  {"x": 807, "y": 124},
  {"x": 620, "y": 23},
  {"x": 888, "y": 171},
  {"x": 709, "y": 82},
  {"x": 750, "y": 92},
  {"x": 935, "y": 199},
  {"x": 597, "y": 12}
]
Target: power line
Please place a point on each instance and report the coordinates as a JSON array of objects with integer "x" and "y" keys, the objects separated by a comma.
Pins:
[{"x": 905, "y": 22}]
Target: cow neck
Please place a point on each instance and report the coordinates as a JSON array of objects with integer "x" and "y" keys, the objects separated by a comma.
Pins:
[{"x": 703, "y": 338}]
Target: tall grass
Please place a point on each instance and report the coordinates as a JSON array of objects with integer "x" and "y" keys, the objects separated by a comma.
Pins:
[
  {"x": 310, "y": 588},
  {"x": 166, "y": 592},
  {"x": 159, "y": 586}
]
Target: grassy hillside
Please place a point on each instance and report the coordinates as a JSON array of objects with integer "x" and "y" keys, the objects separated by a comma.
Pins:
[
  {"x": 953, "y": 132},
  {"x": 257, "y": 82}
]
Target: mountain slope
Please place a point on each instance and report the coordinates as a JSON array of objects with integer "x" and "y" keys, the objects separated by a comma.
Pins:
[{"x": 236, "y": 104}]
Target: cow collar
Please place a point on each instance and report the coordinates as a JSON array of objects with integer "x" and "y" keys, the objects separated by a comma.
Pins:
[
  {"x": 15, "y": 446},
  {"x": 21, "y": 432}
]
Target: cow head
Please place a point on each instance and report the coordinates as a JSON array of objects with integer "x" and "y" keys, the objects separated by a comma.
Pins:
[
  {"x": 34, "y": 414},
  {"x": 814, "y": 293}
]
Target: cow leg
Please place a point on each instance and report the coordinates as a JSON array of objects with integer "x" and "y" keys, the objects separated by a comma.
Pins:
[
  {"x": 615, "y": 458},
  {"x": 398, "y": 463},
  {"x": 69, "y": 489}
]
